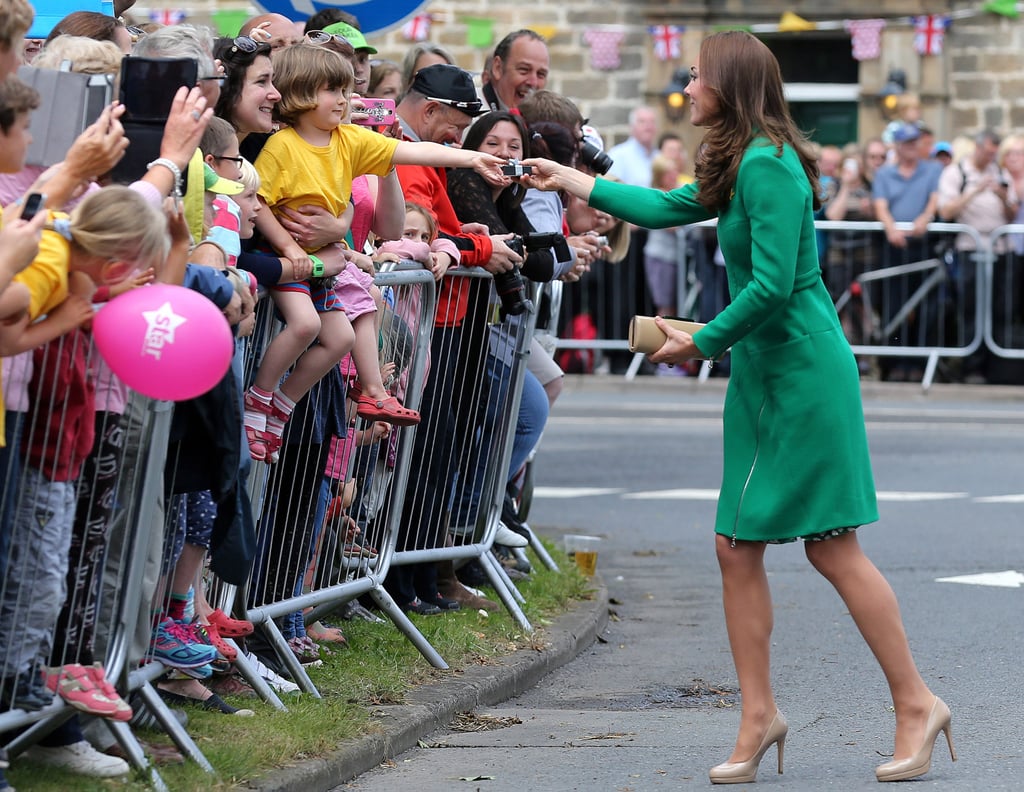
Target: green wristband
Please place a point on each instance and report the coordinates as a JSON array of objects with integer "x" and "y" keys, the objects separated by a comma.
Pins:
[{"x": 318, "y": 267}]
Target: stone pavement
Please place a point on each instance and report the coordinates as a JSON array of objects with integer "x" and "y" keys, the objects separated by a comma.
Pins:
[{"x": 432, "y": 707}]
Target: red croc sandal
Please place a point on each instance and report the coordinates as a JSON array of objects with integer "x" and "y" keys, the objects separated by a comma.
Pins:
[
  {"x": 228, "y": 627},
  {"x": 389, "y": 410}
]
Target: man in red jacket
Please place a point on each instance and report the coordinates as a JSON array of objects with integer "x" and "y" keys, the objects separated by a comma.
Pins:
[{"x": 440, "y": 104}]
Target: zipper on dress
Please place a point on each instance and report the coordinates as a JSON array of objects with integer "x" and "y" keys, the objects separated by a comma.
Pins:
[{"x": 750, "y": 473}]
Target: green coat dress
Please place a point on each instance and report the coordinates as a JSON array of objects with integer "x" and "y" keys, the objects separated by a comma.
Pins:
[{"x": 796, "y": 461}]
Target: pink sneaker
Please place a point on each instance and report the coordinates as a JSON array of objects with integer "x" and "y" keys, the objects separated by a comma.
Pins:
[{"x": 74, "y": 684}]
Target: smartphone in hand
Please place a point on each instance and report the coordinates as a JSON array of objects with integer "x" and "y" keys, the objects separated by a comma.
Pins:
[
  {"x": 379, "y": 112},
  {"x": 34, "y": 204}
]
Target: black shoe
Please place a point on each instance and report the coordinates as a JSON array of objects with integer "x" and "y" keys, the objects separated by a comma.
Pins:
[
  {"x": 442, "y": 602},
  {"x": 510, "y": 516},
  {"x": 422, "y": 608},
  {"x": 472, "y": 574},
  {"x": 4, "y": 761}
]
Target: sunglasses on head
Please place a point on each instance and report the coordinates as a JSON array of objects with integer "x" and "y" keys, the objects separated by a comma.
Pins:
[
  {"x": 245, "y": 44},
  {"x": 468, "y": 107},
  {"x": 321, "y": 37}
]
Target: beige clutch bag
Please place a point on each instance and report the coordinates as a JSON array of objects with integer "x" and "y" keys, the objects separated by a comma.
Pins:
[{"x": 645, "y": 337}]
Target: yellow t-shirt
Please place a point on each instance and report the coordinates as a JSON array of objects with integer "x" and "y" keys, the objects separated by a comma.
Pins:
[
  {"x": 46, "y": 279},
  {"x": 293, "y": 173},
  {"x": 47, "y": 276}
]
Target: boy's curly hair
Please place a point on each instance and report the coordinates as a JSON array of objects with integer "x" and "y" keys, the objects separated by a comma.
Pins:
[{"x": 300, "y": 71}]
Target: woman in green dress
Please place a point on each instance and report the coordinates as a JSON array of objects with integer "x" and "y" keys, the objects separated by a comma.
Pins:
[{"x": 796, "y": 463}]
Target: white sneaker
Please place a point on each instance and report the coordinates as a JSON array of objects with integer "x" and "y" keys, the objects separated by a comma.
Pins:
[
  {"x": 506, "y": 536},
  {"x": 270, "y": 676},
  {"x": 79, "y": 757}
]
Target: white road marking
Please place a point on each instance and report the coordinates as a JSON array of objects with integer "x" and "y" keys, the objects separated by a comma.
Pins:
[
  {"x": 674, "y": 494},
  {"x": 892, "y": 496},
  {"x": 1007, "y": 579},
  {"x": 573, "y": 492},
  {"x": 909, "y": 497},
  {"x": 695, "y": 494}
]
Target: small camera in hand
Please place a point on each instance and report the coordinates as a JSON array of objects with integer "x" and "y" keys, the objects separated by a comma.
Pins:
[{"x": 516, "y": 169}]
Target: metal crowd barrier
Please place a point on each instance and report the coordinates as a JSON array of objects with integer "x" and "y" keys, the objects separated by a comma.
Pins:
[
  {"x": 1004, "y": 321},
  {"x": 463, "y": 447},
  {"x": 467, "y": 383},
  {"x": 309, "y": 554},
  {"x": 71, "y": 576},
  {"x": 918, "y": 308}
]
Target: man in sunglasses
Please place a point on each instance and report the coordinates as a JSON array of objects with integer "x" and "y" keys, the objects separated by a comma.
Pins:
[{"x": 439, "y": 106}]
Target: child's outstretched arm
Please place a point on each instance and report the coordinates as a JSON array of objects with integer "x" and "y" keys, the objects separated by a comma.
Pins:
[
  {"x": 283, "y": 242},
  {"x": 434, "y": 155}
]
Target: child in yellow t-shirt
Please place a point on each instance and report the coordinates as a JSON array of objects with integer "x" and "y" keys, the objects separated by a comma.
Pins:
[{"x": 313, "y": 162}]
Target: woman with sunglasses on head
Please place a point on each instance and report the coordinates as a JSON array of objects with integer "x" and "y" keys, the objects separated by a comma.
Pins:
[
  {"x": 794, "y": 383},
  {"x": 248, "y": 96}
]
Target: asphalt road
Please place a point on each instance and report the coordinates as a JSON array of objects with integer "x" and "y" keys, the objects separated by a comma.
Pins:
[{"x": 653, "y": 705}]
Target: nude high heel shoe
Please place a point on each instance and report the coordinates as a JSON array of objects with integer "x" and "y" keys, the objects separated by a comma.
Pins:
[
  {"x": 746, "y": 772},
  {"x": 917, "y": 765}
]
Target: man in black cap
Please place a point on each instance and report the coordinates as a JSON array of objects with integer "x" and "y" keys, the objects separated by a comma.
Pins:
[{"x": 439, "y": 106}]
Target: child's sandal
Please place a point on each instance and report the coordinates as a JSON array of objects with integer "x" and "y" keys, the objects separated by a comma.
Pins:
[
  {"x": 263, "y": 446},
  {"x": 389, "y": 410}
]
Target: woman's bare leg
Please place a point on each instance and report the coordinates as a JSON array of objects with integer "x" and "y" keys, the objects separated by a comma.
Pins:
[
  {"x": 873, "y": 606},
  {"x": 748, "y": 619}
]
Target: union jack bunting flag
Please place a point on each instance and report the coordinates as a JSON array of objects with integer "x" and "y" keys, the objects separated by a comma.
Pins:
[{"x": 666, "y": 40}]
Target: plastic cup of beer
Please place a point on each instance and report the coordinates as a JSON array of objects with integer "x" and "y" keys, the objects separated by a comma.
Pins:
[{"x": 583, "y": 550}]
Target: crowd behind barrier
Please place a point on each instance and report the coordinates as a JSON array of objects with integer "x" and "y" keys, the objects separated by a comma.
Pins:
[
  {"x": 307, "y": 558},
  {"x": 924, "y": 304},
  {"x": 204, "y": 540}
]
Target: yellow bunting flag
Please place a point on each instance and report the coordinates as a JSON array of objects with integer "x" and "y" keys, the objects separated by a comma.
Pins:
[{"x": 791, "y": 23}]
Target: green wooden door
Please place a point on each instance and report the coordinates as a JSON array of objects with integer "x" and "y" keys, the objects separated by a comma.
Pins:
[{"x": 827, "y": 122}]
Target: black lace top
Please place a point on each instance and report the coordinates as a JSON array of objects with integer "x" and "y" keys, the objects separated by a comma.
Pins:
[{"x": 471, "y": 198}]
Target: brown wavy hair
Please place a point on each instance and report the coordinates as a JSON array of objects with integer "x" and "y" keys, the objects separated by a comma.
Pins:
[{"x": 746, "y": 80}]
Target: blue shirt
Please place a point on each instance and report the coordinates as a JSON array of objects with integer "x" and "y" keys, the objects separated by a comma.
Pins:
[
  {"x": 907, "y": 197},
  {"x": 632, "y": 163}
]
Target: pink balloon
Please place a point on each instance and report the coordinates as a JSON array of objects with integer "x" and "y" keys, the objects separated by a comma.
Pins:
[{"x": 166, "y": 342}]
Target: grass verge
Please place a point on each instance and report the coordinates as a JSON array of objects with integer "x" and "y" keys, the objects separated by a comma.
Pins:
[{"x": 379, "y": 668}]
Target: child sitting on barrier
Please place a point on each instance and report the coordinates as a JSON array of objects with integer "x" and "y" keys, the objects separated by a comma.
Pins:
[{"x": 313, "y": 162}]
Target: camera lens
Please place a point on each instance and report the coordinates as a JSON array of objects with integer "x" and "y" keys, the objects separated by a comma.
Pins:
[
  {"x": 595, "y": 159},
  {"x": 512, "y": 291}
]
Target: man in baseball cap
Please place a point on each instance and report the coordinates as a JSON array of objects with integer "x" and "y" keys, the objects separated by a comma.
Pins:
[{"x": 448, "y": 85}]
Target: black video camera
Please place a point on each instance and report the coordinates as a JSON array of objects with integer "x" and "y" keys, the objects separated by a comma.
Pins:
[
  {"x": 510, "y": 285},
  {"x": 595, "y": 159}
]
